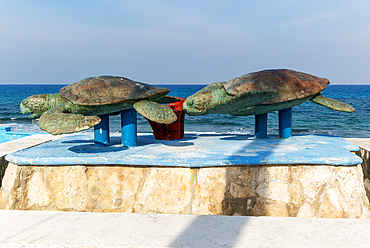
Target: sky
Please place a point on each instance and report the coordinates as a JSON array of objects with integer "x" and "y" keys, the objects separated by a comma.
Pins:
[{"x": 182, "y": 42}]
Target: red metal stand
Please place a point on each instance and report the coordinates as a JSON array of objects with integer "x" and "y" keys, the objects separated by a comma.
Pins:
[{"x": 173, "y": 131}]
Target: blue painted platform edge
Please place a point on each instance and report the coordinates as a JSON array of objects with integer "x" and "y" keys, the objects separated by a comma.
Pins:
[{"x": 196, "y": 150}]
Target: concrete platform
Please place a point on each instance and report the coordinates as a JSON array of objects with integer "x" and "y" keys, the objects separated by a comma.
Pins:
[
  {"x": 71, "y": 229},
  {"x": 362, "y": 142},
  {"x": 194, "y": 151}
]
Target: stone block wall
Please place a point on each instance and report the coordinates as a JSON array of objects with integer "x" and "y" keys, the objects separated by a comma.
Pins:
[
  {"x": 365, "y": 155},
  {"x": 3, "y": 165},
  {"x": 291, "y": 190}
]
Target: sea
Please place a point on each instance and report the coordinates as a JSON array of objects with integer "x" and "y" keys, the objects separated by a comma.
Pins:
[{"x": 308, "y": 118}]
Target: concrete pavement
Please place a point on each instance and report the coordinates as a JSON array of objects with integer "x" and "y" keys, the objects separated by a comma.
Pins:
[{"x": 80, "y": 229}]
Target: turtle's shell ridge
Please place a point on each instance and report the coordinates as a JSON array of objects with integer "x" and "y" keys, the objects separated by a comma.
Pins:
[{"x": 109, "y": 90}]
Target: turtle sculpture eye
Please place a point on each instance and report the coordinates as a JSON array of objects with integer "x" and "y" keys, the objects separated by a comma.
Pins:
[
  {"x": 191, "y": 103},
  {"x": 25, "y": 102}
]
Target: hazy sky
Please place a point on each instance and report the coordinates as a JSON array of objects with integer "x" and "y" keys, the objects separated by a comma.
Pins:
[{"x": 182, "y": 42}]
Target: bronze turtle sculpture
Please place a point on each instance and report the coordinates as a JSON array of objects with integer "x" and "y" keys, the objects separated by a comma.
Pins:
[
  {"x": 77, "y": 106},
  {"x": 261, "y": 92}
]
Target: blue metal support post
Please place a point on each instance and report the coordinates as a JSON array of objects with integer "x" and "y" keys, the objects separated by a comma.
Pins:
[
  {"x": 101, "y": 131},
  {"x": 129, "y": 127},
  {"x": 260, "y": 130},
  {"x": 285, "y": 123}
]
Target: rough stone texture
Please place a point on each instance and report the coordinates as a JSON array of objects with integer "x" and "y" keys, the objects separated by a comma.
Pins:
[
  {"x": 365, "y": 155},
  {"x": 294, "y": 191},
  {"x": 3, "y": 165},
  {"x": 115, "y": 191}
]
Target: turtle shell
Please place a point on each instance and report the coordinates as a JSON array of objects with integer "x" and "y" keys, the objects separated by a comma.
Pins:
[
  {"x": 110, "y": 90},
  {"x": 291, "y": 85}
]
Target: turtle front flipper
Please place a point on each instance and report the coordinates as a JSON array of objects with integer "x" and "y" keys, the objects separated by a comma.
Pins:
[
  {"x": 244, "y": 100},
  {"x": 56, "y": 121},
  {"x": 332, "y": 104},
  {"x": 155, "y": 112}
]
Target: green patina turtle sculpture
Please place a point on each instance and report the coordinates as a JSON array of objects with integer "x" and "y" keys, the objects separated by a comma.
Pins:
[
  {"x": 77, "y": 106},
  {"x": 261, "y": 92}
]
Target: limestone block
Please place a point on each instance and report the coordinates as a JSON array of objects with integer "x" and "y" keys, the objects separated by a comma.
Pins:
[
  {"x": 38, "y": 194},
  {"x": 210, "y": 190},
  {"x": 3, "y": 165},
  {"x": 69, "y": 187},
  {"x": 350, "y": 187},
  {"x": 4, "y": 200},
  {"x": 296, "y": 192},
  {"x": 330, "y": 204},
  {"x": 267, "y": 207},
  {"x": 304, "y": 191},
  {"x": 165, "y": 190},
  {"x": 306, "y": 210},
  {"x": 273, "y": 183},
  {"x": 311, "y": 178},
  {"x": 10, "y": 182},
  {"x": 365, "y": 155},
  {"x": 241, "y": 190},
  {"x": 11, "y": 178},
  {"x": 113, "y": 189},
  {"x": 242, "y": 181}
]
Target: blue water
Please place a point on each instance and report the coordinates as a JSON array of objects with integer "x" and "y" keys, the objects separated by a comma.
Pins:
[
  {"x": 308, "y": 118},
  {"x": 8, "y": 136}
]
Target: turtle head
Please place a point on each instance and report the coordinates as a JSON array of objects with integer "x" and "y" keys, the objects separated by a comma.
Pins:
[
  {"x": 36, "y": 105},
  {"x": 205, "y": 100}
]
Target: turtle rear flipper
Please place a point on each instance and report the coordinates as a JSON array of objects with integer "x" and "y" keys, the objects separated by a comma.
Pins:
[
  {"x": 155, "y": 112},
  {"x": 332, "y": 104},
  {"x": 55, "y": 121}
]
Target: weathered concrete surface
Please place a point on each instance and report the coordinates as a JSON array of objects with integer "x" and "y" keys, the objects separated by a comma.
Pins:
[
  {"x": 294, "y": 191},
  {"x": 364, "y": 153},
  {"x": 36, "y": 229},
  {"x": 20, "y": 144}
]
